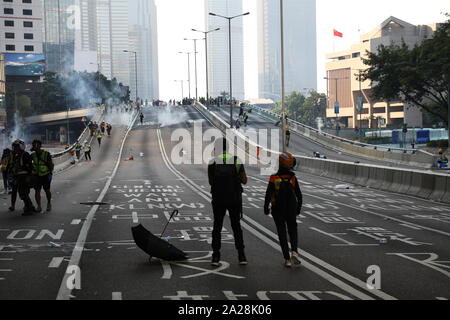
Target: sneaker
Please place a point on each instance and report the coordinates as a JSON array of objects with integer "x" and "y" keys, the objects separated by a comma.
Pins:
[
  {"x": 216, "y": 260},
  {"x": 296, "y": 258},
  {"x": 288, "y": 263},
  {"x": 242, "y": 259},
  {"x": 12, "y": 209},
  {"x": 49, "y": 207},
  {"x": 38, "y": 210}
]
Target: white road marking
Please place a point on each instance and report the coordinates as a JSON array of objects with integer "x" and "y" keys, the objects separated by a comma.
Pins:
[
  {"x": 323, "y": 274},
  {"x": 56, "y": 262},
  {"x": 64, "y": 292},
  {"x": 117, "y": 295},
  {"x": 441, "y": 298},
  {"x": 76, "y": 222},
  {"x": 6, "y": 259},
  {"x": 5, "y": 270},
  {"x": 135, "y": 217}
]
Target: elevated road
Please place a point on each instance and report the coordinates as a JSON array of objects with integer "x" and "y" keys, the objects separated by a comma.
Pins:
[
  {"x": 301, "y": 145},
  {"x": 349, "y": 238}
]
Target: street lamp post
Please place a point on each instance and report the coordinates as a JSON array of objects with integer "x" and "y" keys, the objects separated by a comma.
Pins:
[
  {"x": 136, "y": 71},
  {"x": 189, "y": 70},
  {"x": 182, "y": 89},
  {"x": 206, "y": 54},
  {"x": 229, "y": 51},
  {"x": 283, "y": 108},
  {"x": 195, "y": 57}
]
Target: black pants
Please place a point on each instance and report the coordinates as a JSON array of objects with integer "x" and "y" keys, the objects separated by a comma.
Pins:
[
  {"x": 235, "y": 217},
  {"x": 285, "y": 225},
  {"x": 87, "y": 156},
  {"x": 24, "y": 192},
  {"x": 5, "y": 180}
]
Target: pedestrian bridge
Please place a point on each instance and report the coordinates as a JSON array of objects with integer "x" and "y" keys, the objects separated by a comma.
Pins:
[{"x": 60, "y": 117}]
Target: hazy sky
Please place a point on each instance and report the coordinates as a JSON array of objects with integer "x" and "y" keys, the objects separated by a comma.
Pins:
[{"x": 352, "y": 17}]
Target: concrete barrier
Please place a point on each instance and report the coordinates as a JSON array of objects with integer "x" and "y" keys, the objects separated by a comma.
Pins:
[
  {"x": 446, "y": 196},
  {"x": 440, "y": 188}
]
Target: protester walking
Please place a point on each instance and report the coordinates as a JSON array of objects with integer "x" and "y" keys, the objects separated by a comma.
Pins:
[
  {"x": 21, "y": 167},
  {"x": 78, "y": 148},
  {"x": 109, "y": 129},
  {"x": 99, "y": 138},
  {"x": 5, "y": 160},
  {"x": 142, "y": 118},
  {"x": 87, "y": 151},
  {"x": 284, "y": 200},
  {"x": 226, "y": 177},
  {"x": 43, "y": 171}
]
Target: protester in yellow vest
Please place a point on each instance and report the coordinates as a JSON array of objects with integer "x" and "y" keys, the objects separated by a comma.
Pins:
[{"x": 43, "y": 171}]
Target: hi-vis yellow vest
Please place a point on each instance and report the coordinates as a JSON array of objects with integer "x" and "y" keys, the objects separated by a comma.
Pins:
[{"x": 40, "y": 167}]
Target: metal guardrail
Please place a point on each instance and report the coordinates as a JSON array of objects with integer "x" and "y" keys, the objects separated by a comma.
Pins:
[{"x": 64, "y": 156}]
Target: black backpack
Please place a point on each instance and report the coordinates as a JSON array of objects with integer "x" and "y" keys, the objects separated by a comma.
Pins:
[
  {"x": 226, "y": 188},
  {"x": 286, "y": 200}
]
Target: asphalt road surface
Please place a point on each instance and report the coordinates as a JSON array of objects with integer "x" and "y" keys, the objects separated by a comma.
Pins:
[{"x": 355, "y": 243}]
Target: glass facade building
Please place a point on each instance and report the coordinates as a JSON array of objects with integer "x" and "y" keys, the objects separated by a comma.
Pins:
[
  {"x": 59, "y": 35},
  {"x": 300, "y": 47},
  {"x": 218, "y": 50}
]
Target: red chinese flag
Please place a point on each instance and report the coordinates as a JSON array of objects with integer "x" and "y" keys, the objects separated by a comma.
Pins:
[{"x": 338, "y": 34}]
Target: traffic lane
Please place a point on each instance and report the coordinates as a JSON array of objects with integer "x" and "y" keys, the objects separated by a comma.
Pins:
[
  {"x": 406, "y": 210},
  {"x": 124, "y": 269},
  {"x": 33, "y": 249},
  {"x": 253, "y": 207},
  {"x": 373, "y": 228},
  {"x": 354, "y": 241}
]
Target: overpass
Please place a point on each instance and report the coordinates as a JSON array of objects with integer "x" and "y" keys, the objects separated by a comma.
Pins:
[{"x": 59, "y": 118}]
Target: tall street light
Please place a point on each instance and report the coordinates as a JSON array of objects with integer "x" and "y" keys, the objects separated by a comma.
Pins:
[
  {"x": 283, "y": 107},
  {"x": 182, "y": 89},
  {"x": 195, "y": 57},
  {"x": 136, "y": 71},
  {"x": 189, "y": 70},
  {"x": 229, "y": 49},
  {"x": 206, "y": 54}
]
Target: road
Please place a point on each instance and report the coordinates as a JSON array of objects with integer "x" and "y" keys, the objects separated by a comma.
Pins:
[{"x": 348, "y": 237}]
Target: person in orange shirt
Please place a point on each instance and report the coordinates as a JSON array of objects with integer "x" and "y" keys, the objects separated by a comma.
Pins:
[{"x": 284, "y": 200}]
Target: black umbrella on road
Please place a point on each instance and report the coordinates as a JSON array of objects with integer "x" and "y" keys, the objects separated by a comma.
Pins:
[{"x": 157, "y": 247}]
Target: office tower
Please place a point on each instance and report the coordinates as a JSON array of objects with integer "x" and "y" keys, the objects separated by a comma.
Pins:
[
  {"x": 300, "y": 45},
  {"x": 218, "y": 49}
]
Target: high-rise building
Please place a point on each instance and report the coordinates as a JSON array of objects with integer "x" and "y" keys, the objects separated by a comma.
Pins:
[
  {"x": 346, "y": 90},
  {"x": 59, "y": 35},
  {"x": 300, "y": 46},
  {"x": 143, "y": 41},
  {"x": 218, "y": 48},
  {"x": 112, "y": 39},
  {"x": 21, "y": 26}
]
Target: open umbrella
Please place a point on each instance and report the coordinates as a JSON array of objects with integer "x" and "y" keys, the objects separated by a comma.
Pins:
[{"x": 157, "y": 247}]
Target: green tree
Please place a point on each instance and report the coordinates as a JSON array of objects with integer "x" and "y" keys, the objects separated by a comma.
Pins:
[
  {"x": 314, "y": 107},
  {"x": 293, "y": 104},
  {"x": 420, "y": 76}
]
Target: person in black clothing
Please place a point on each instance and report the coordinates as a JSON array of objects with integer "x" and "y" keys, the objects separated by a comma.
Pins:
[
  {"x": 226, "y": 177},
  {"x": 142, "y": 118},
  {"x": 285, "y": 199},
  {"x": 21, "y": 167}
]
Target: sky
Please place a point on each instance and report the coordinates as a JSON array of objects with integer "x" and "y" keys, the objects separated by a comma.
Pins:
[{"x": 351, "y": 17}]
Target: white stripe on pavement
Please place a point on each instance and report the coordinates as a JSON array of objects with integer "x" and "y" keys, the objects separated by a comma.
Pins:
[
  {"x": 197, "y": 189},
  {"x": 56, "y": 262},
  {"x": 65, "y": 292}
]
